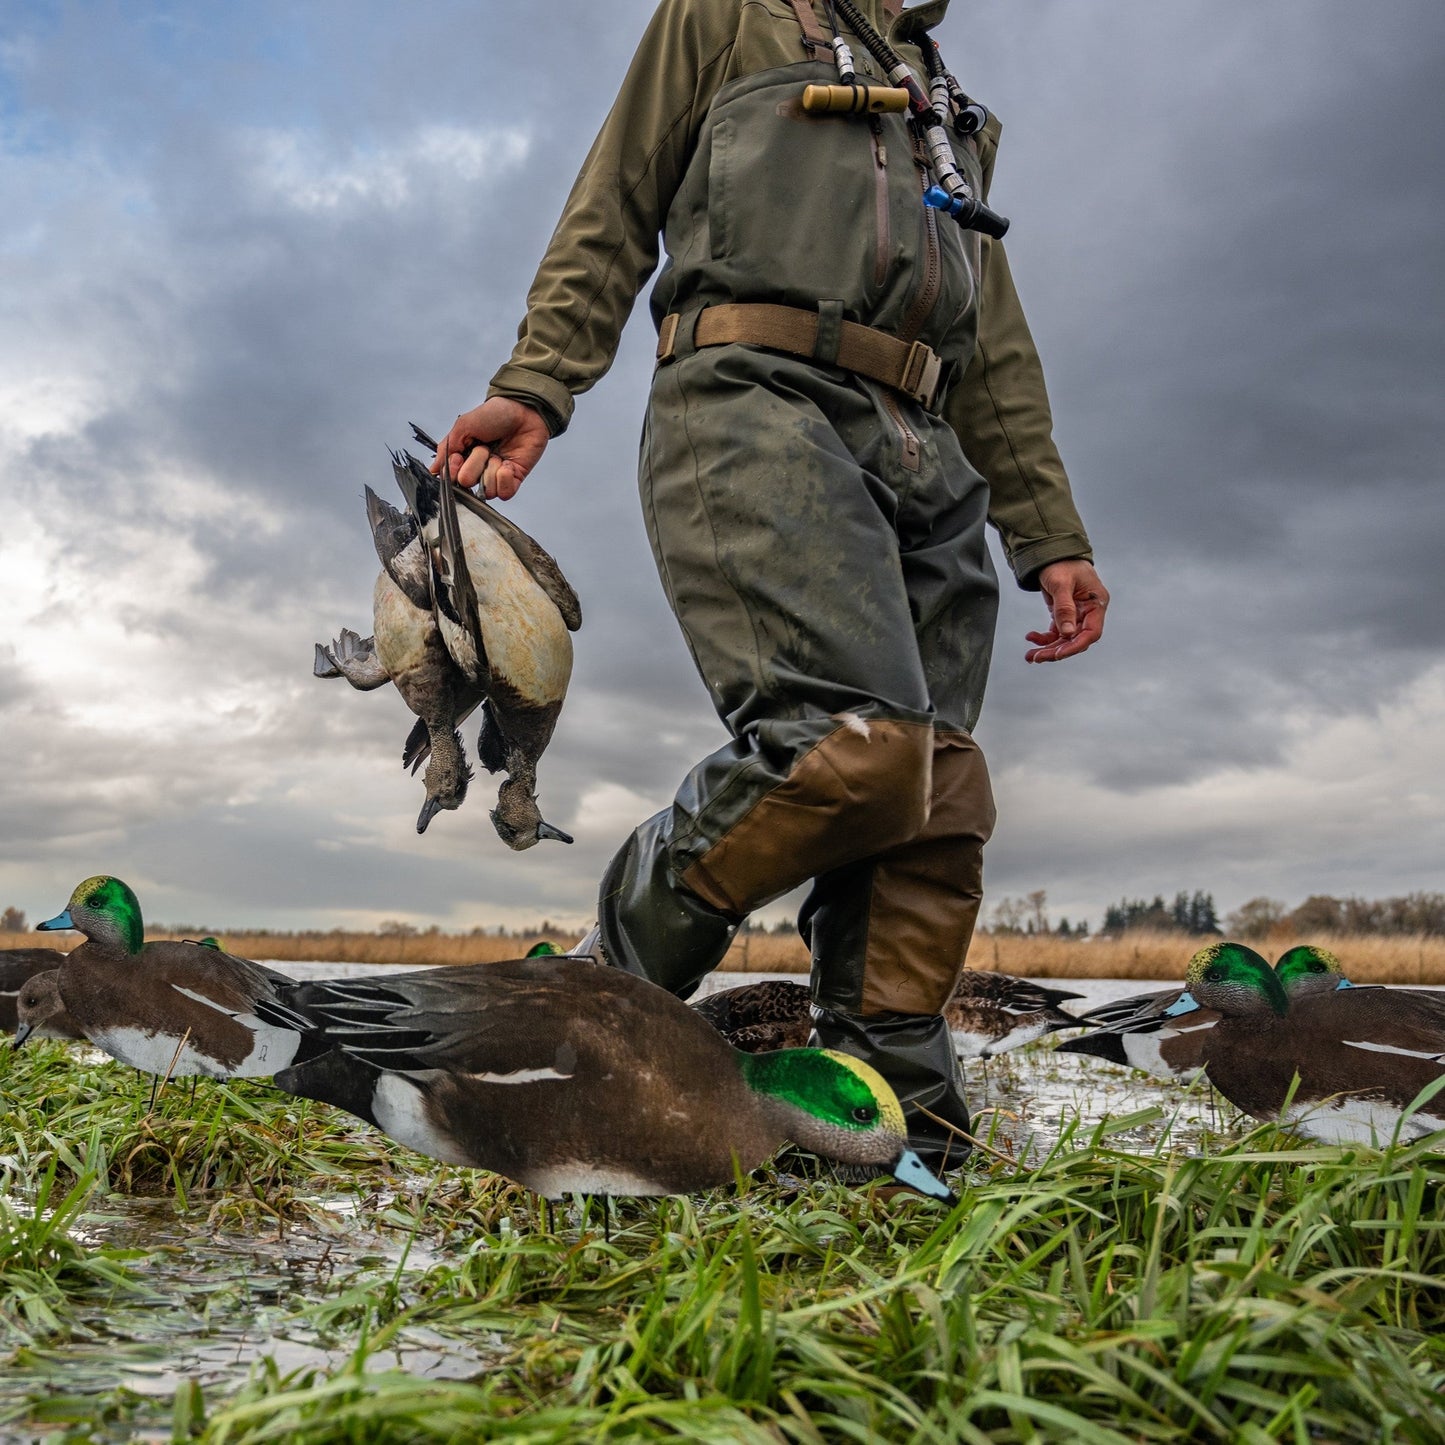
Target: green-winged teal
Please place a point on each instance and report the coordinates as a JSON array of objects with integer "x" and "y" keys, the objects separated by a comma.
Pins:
[
  {"x": 571, "y": 1078},
  {"x": 1362, "y": 1055},
  {"x": 168, "y": 1008}
]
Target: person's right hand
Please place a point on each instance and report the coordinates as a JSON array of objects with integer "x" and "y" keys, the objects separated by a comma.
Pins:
[{"x": 496, "y": 443}]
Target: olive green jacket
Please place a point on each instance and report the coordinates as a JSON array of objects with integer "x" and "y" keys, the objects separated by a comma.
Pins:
[{"x": 607, "y": 244}]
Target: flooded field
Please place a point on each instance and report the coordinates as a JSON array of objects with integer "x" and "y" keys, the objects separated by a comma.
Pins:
[{"x": 234, "y": 1259}]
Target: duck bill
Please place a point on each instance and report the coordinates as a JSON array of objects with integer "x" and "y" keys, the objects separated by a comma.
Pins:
[
  {"x": 22, "y": 1032},
  {"x": 429, "y": 810},
  {"x": 1186, "y": 1003},
  {"x": 56, "y": 924},
  {"x": 909, "y": 1169},
  {"x": 1343, "y": 983},
  {"x": 551, "y": 834}
]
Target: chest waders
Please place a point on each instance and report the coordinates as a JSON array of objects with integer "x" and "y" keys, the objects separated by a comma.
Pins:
[{"x": 821, "y": 539}]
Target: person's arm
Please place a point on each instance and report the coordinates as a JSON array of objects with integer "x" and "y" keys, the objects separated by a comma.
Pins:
[
  {"x": 1000, "y": 411},
  {"x": 604, "y": 248}
]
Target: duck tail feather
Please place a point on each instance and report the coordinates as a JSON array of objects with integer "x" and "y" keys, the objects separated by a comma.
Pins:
[
  {"x": 1107, "y": 1046},
  {"x": 324, "y": 664}
]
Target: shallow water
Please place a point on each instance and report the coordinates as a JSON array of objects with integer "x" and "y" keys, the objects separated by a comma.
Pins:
[{"x": 230, "y": 1291}]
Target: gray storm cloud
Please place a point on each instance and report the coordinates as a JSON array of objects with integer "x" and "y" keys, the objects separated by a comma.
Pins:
[{"x": 242, "y": 252}]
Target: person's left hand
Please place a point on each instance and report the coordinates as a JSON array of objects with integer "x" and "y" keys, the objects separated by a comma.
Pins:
[{"x": 1077, "y": 601}]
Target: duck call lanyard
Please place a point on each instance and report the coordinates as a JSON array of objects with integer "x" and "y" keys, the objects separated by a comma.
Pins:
[{"x": 928, "y": 111}]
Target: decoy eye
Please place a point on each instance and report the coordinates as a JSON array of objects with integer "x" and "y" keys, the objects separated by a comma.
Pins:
[
  {"x": 865, "y": 1114},
  {"x": 1213, "y": 975}
]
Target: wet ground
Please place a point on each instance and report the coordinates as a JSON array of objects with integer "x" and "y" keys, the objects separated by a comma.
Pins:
[{"x": 225, "y": 1293}]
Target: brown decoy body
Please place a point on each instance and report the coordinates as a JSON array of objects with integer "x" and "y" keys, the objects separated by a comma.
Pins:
[{"x": 570, "y": 1078}]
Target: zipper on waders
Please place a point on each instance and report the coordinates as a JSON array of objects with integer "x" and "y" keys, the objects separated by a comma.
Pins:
[{"x": 883, "y": 226}]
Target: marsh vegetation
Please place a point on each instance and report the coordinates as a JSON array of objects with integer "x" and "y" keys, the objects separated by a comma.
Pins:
[{"x": 237, "y": 1266}]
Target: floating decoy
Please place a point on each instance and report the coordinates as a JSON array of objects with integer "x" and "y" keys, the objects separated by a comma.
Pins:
[
  {"x": 505, "y": 613},
  {"x": 987, "y": 1014},
  {"x": 990, "y": 1013},
  {"x": 168, "y": 1008},
  {"x": 757, "y": 1017},
  {"x": 1362, "y": 1055},
  {"x": 17, "y": 965},
  {"x": 570, "y": 1078},
  {"x": 1140, "y": 1032}
]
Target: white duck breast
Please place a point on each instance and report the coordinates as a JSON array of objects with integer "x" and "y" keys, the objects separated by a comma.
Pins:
[
  {"x": 527, "y": 642},
  {"x": 402, "y": 630}
]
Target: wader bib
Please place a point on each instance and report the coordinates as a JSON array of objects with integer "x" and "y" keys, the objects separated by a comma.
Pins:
[{"x": 821, "y": 538}]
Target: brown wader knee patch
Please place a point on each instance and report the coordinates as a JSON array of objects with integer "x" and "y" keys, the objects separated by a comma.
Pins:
[
  {"x": 926, "y": 892},
  {"x": 865, "y": 786}
]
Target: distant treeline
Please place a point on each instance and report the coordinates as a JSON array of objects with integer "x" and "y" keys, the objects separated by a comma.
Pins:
[{"x": 1412, "y": 913}]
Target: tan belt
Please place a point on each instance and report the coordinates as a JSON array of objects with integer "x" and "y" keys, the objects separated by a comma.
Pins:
[{"x": 908, "y": 367}]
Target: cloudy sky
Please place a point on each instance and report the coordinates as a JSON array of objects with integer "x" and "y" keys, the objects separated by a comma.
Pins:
[{"x": 242, "y": 246}]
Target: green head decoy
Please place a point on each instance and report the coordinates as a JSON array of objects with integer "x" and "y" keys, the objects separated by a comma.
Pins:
[
  {"x": 1231, "y": 978},
  {"x": 106, "y": 911},
  {"x": 545, "y": 949},
  {"x": 1306, "y": 970}
]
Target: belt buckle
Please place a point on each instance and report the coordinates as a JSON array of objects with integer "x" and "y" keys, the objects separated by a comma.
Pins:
[{"x": 922, "y": 369}]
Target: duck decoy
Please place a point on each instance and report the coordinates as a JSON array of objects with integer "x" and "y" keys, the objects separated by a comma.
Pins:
[
  {"x": 1362, "y": 1055},
  {"x": 168, "y": 1008},
  {"x": 406, "y": 649},
  {"x": 505, "y": 613},
  {"x": 990, "y": 1013},
  {"x": 1140, "y": 1031},
  {"x": 17, "y": 965},
  {"x": 40, "y": 1012},
  {"x": 756, "y": 1017},
  {"x": 572, "y": 1079}
]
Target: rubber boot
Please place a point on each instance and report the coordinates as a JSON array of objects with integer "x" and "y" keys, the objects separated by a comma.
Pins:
[{"x": 915, "y": 1053}]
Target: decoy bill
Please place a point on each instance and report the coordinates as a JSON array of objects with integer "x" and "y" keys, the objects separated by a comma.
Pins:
[{"x": 571, "y": 1078}]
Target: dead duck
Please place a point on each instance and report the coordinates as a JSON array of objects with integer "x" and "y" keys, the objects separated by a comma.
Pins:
[
  {"x": 505, "y": 613},
  {"x": 1143, "y": 1031},
  {"x": 1343, "y": 1066},
  {"x": 574, "y": 1079},
  {"x": 168, "y": 1008},
  {"x": 406, "y": 649}
]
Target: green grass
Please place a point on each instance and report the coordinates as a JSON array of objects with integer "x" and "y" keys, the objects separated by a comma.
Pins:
[{"x": 1261, "y": 1291}]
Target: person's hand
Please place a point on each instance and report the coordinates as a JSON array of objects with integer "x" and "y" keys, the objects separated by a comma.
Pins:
[
  {"x": 1077, "y": 602},
  {"x": 496, "y": 444}
]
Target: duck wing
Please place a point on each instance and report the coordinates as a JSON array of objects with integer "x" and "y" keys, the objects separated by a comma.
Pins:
[
  {"x": 400, "y": 547},
  {"x": 534, "y": 557}
]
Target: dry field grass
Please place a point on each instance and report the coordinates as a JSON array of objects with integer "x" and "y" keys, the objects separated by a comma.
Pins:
[{"x": 1366, "y": 958}]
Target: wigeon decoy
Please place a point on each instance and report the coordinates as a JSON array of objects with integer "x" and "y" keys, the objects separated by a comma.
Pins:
[
  {"x": 1140, "y": 1032},
  {"x": 168, "y": 1008},
  {"x": 570, "y": 1078},
  {"x": 1362, "y": 1055}
]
